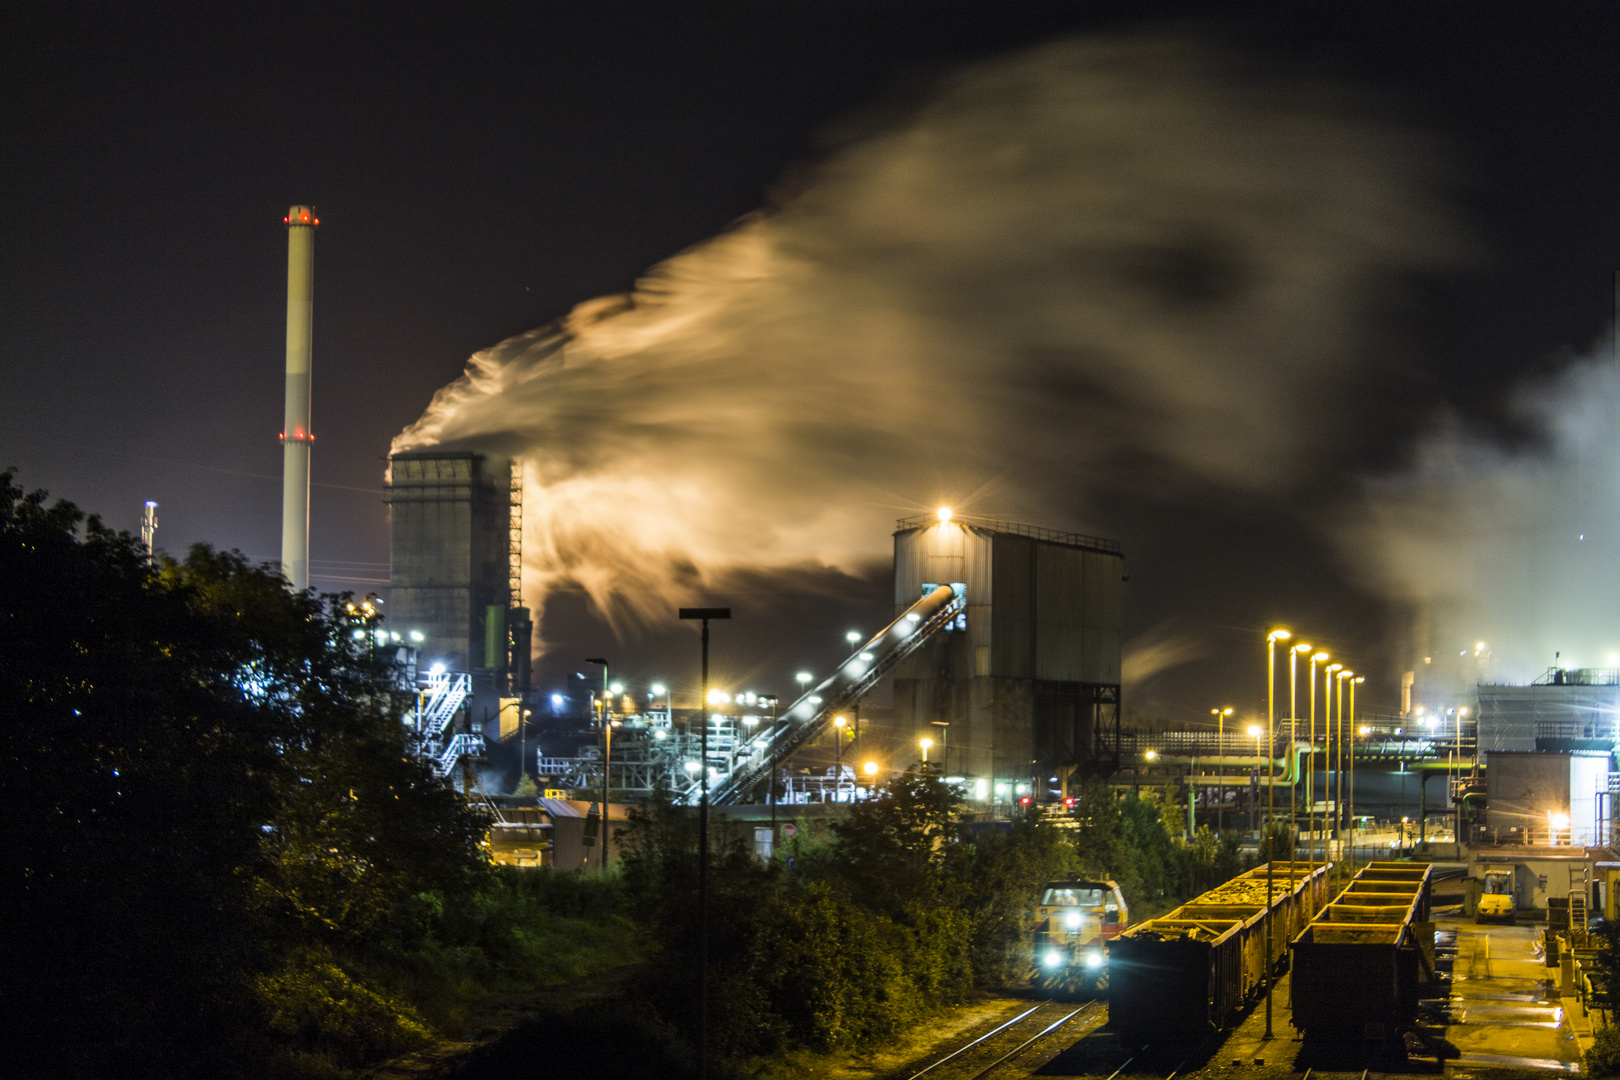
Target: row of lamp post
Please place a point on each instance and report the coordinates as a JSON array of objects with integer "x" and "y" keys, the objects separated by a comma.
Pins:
[{"x": 1338, "y": 677}]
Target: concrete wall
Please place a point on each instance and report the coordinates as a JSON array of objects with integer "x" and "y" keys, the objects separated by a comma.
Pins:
[{"x": 1522, "y": 789}]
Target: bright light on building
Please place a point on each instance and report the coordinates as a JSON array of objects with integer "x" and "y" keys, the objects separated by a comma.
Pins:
[
  {"x": 658, "y": 688},
  {"x": 871, "y": 768},
  {"x": 1094, "y": 959},
  {"x": 436, "y": 669},
  {"x": 719, "y": 697},
  {"x": 944, "y": 513},
  {"x": 617, "y": 688},
  {"x": 1053, "y": 959},
  {"x": 1254, "y": 731},
  {"x": 556, "y": 701},
  {"x": 853, "y": 637},
  {"x": 692, "y": 766},
  {"x": 416, "y": 635},
  {"x": 1152, "y": 755},
  {"x": 804, "y": 677}
]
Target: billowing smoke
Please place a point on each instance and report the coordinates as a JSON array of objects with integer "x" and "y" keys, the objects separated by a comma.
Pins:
[
  {"x": 1516, "y": 548},
  {"x": 1092, "y": 263}
]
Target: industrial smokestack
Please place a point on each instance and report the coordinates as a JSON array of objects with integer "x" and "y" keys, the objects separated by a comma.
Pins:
[{"x": 295, "y": 436}]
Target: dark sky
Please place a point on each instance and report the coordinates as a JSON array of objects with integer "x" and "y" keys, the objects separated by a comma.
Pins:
[{"x": 481, "y": 168}]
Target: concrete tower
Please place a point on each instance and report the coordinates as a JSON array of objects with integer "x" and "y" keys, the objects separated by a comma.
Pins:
[{"x": 295, "y": 436}]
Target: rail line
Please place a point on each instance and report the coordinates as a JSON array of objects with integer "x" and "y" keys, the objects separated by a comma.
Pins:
[{"x": 1010, "y": 1054}]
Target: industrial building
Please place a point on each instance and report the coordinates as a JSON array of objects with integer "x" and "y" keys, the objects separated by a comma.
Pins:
[
  {"x": 1563, "y": 704},
  {"x": 1025, "y": 685},
  {"x": 455, "y": 557}
]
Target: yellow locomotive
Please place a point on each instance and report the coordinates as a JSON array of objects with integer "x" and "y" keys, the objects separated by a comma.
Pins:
[{"x": 1072, "y": 922}]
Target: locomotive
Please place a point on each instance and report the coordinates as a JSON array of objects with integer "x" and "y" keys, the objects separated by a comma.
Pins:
[{"x": 1072, "y": 922}]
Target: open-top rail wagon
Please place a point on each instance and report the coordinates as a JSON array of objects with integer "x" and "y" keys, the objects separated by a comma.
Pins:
[
  {"x": 1361, "y": 964},
  {"x": 1182, "y": 976}
]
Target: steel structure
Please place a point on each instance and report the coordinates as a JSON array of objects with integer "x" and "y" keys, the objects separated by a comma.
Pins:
[
  {"x": 436, "y": 706},
  {"x": 740, "y": 762},
  {"x": 851, "y": 680}
]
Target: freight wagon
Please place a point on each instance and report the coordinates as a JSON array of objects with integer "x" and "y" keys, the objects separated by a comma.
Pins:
[
  {"x": 1362, "y": 963},
  {"x": 1189, "y": 973}
]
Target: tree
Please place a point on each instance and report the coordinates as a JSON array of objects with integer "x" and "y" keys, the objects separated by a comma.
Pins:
[{"x": 200, "y": 774}]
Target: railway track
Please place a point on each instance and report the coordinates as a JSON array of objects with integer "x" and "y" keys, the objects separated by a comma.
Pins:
[{"x": 983, "y": 1055}]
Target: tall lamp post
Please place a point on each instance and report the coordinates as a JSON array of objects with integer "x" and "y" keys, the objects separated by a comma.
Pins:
[
  {"x": 1341, "y": 816},
  {"x": 1271, "y": 804},
  {"x": 925, "y": 744},
  {"x": 1293, "y": 723},
  {"x": 1330, "y": 760},
  {"x": 703, "y": 614},
  {"x": 607, "y": 752},
  {"x": 1353, "y": 680},
  {"x": 1310, "y": 781},
  {"x": 1220, "y": 771},
  {"x": 838, "y": 755}
]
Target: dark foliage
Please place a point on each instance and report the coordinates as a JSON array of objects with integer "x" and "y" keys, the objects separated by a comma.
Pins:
[{"x": 204, "y": 789}]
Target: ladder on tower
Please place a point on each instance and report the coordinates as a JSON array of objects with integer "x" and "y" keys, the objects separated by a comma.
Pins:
[{"x": 437, "y": 702}]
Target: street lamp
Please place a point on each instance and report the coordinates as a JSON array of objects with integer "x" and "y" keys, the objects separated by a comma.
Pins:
[
  {"x": 1352, "y": 678},
  {"x": 925, "y": 744},
  {"x": 703, "y": 615},
  {"x": 1329, "y": 772},
  {"x": 1220, "y": 770},
  {"x": 607, "y": 754},
  {"x": 1271, "y": 802},
  {"x": 853, "y": 637},
  {"x": 1293, "y": 721},
  {"x": 1310, "y": 776},
  {"x": 1341, "y": 817},
  {"x": 838, "y": 751}
]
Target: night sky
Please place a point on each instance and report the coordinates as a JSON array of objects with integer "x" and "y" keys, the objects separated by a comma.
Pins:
[{"x": 481, "y": 169}]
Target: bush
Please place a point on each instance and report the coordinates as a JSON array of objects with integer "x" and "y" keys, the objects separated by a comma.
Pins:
[
  {"x": 1604, "y": 1057},
  {"x": 316, "y": 1007}
]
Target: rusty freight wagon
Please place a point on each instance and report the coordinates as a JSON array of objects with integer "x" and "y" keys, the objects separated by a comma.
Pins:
[
  {"x": 1362, "y": 963},
  {"x": 1182, "y": 976}
]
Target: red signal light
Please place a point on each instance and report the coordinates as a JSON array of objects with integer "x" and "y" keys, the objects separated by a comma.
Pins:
[{"x": 1025, "y": 801}]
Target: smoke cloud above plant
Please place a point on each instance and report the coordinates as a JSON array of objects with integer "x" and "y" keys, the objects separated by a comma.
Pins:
[
  {"x": 1513, "y": 547},
  {"x": 1098, "y": 265}
]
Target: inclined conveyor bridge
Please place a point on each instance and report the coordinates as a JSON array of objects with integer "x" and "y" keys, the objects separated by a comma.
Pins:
[{"x": 809, "y": 716}]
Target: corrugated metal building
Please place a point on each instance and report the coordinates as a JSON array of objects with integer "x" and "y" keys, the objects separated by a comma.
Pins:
[{"x": 1029, "y": 681}]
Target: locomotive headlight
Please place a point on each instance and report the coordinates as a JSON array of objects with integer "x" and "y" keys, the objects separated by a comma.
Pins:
[
  {"x": 1053, "y": 958},
  {"x": 1071, "y": 922},
  {"x": 1094, "y": 959}
]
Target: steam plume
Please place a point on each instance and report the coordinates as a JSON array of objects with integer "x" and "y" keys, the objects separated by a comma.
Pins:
[
  {"x": 1091, "y": 257},
  {"x": 1516, "y": 548}
]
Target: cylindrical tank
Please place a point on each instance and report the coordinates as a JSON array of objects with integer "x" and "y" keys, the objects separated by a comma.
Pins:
[{"x": 295, "y": 435}]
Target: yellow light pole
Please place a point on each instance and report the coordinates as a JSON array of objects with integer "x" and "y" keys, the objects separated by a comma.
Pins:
[
  {"x": 838, "y": 755},
  {"x": 1338, "y": 782},
  {"x": 1353, "y": 680},
  {"x": 1293, "y": 722},
  {"x": 1330, "y": 772},
  {"x": 1271, "y": 806},
  {"x": 1220, "y": 770},
  {"x": 1310, "y": 781}
]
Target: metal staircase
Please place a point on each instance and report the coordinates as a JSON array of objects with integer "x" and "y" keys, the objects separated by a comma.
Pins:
[
  {"x": 437, "y": 702},
  {"x": 809, "y": 716},
  {"x": 436, "y": 705}
]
